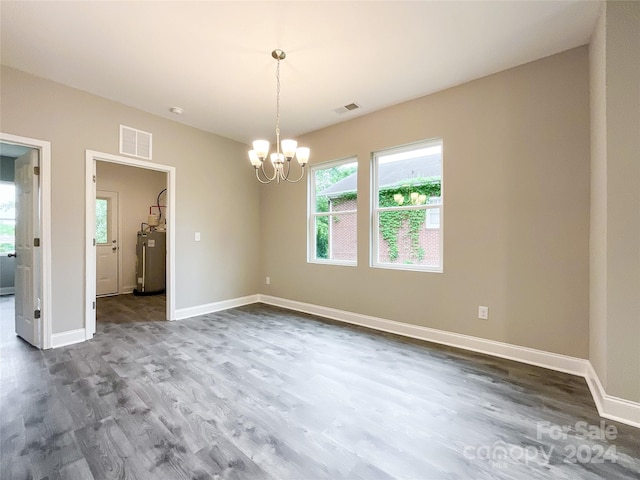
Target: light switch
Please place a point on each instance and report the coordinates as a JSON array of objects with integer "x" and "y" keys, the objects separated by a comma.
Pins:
[{"x": 197, "y": 236}]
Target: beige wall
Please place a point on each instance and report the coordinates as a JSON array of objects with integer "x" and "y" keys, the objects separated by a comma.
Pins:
[
  {"x": 598, "y": 223},
  {"x": 210, "y": 170},
  {"x": 516, "y": 211},
  {"x": 137, "y": 189},
  {"x": 615, "y": 230}
]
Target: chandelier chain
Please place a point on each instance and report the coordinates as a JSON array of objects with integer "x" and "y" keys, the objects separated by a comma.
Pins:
[{"x": 278, "y": 106}]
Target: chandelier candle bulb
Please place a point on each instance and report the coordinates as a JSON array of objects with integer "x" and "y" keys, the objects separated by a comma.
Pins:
[
  {"x": 289, "y": 148},
  {"x": 302, "y": 154},
  {"x": 253, "y": 158},
  {"x": 261, "y": 148}
]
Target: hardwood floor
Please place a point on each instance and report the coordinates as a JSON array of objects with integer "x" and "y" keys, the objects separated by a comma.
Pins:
[
  {"x": 131, "y": 308},
  {"x": 264, "y": 393}
]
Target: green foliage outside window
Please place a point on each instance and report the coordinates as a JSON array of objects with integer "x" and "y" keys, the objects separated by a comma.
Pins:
[{"x": 391, "y": 221}]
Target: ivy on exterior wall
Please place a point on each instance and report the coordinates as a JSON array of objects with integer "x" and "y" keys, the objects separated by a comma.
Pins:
[{"x": 391, "y": 221}]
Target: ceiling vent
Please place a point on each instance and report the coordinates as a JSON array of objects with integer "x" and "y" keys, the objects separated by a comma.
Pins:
[
  {"x": 347, "y": 108},
  {"x": 135, "y": 142}
]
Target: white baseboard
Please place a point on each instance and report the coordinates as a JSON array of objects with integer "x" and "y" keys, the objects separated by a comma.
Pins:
[
  {"x": 7, "y": 290},
  {"x": 182, "y": 313},
  {"x": 554, "y": 361},
  {"x": 613, "y": 408},
  {"x": 610, "y": 407},
  {"x": 68, "y": 338}
]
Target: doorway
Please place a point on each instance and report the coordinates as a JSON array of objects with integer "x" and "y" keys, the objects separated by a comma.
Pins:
[
  {"x": 28, "y": 222},
  {"x": 92, "y": 160}
]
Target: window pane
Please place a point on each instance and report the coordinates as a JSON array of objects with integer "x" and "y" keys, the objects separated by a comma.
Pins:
[
  {"x": 409, "y": 177},
  {"x": 101, "y": 220},
  {"x": 322, "y": 237},
  {"x": 335, "y": 185},
  {"x": 336, "y": 237},
  {"x": 406, "y": 239},
  {"x": 7, "y": 236}
]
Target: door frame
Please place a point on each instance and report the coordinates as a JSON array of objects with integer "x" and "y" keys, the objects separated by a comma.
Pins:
[
  {"x": 44, "y": 277},
  {"x": 118, "y": 226},
  {"x": 91, "y": 157}
]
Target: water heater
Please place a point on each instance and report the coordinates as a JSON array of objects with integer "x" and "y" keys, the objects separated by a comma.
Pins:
[{"x": 151, "y": 255}]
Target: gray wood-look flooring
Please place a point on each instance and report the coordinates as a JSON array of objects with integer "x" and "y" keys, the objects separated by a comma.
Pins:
[{"x": 263, "y": 393}]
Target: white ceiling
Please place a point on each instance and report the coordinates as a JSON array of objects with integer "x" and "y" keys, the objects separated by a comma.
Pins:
[{"x": 213, "y": 59}]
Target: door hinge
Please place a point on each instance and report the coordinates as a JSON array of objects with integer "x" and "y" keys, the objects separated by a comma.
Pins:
[
  {"x": 36, "y": 314},
  {"x": 94, "y": 242},
  {"x": 36, "y": 170},
  {"x": 94, "y": 179},
  {"x": 94, "y": 305},
  {"x": 36, "y": 242}
]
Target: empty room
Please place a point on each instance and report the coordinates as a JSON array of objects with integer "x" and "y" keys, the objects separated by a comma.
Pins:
[{"x": 320, "y": 240}]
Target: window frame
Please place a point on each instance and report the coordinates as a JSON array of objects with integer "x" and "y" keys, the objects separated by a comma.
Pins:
[
  {"x": 375, "y": 210},
  {"x": 312, "y": 215}
]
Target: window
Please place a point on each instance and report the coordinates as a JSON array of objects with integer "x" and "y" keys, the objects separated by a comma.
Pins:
[
  {"x": 407, "y": 207},
  {"x": 333, "y": 200},
  {"x": 7, "y": 218},
  {"x": 102, "y": 224}
]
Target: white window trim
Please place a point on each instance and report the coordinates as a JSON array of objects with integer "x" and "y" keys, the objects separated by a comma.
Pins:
[
  {"x": 374, "y": 234},
  {"x": 312, "y": 214}
]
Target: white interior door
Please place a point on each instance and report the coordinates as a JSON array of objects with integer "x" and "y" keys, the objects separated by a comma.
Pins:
[
  {"x": 107, "y": 249},
  {"x": 27, "y": 300}
]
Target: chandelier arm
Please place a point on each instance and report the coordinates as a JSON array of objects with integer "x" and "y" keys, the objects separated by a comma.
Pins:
[
  {"x": 269, "y": 178},
  {"x": 299, "y": 178},
  {"x": 258, "y": 177},
  {"x": 286, "y": 176}
]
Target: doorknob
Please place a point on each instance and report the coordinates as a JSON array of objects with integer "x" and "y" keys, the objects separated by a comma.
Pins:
[
  {"x": 114, "y": 248},
  {"x": 12, "y": 255}
]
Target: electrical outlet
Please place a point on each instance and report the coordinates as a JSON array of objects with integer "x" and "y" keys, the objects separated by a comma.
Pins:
[
  {"x": 268, "y": 281},
  {"x": 483, "y": 313}
]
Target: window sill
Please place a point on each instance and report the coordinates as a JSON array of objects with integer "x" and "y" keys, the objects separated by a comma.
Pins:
[
  {"x": 408, "y": 268},
  {"x": 340, "y": 263}
]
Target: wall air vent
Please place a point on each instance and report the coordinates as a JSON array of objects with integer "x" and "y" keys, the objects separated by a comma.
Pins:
[
  {"x": 347, "y": 108},
  {"x": 135, "y": 142}
]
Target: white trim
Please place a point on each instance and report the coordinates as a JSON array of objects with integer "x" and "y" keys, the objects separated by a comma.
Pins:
[
  {"x": 45, "y": 228},
  {"x": 7, "y": 290},
  {"x": 188, "y": 312},
  {"x": 91, "y": 157},
  {"x": 613, "y": 408},
  {"x": 608, "y": 406},
  {"x": 68, "y": 338}
]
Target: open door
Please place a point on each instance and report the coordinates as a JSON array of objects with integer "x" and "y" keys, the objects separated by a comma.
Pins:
[{"x": 27, "y": 300}]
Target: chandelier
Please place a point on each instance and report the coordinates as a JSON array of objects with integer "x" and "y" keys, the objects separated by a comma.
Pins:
[{"x": 285, "y": 151}]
